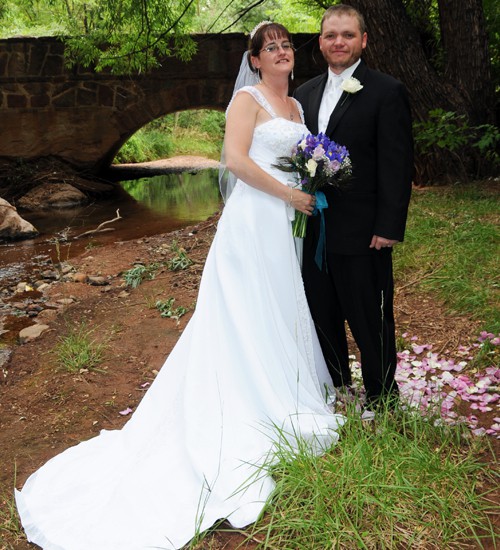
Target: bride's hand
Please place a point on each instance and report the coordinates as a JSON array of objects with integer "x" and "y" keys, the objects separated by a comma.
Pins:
[{"x": 303, "y": 202}]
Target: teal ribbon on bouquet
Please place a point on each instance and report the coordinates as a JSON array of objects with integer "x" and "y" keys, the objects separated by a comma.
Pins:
[{"x": 321, "y": 204}]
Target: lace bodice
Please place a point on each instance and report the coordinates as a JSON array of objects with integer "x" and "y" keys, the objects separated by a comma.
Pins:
[{"x": 275, "y": 137}]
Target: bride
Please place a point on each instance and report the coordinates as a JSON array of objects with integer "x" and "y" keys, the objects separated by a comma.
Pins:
[{"x": 246, "y": 375}]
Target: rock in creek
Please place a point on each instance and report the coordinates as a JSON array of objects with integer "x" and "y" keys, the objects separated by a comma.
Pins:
[
  {"x": 52, "y": 195},
  {"x": 12, "y": 226}
]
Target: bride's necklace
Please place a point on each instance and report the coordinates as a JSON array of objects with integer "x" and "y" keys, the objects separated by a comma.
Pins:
[{"x": 285, "y": 101}]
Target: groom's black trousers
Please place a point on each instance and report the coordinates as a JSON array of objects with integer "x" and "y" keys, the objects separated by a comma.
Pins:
[{"x": 359, "y": 289}]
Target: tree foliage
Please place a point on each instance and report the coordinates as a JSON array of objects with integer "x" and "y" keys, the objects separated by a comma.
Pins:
[
  {"x": 445, "y": 51},
  {"x": 124, "y": 35}
]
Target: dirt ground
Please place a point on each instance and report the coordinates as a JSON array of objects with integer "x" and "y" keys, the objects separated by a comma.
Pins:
[{"x": 44, "y": 409}]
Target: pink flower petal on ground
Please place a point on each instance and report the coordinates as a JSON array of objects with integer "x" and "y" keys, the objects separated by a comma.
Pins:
[
  {"x": 420, "y": 371},
  {"x": 145, "y": 385},
  {"x": 492, "y": 371},
  {"x": 451, "y": 365},
  {"x": 434, "y": 385},
  {"x": 447, "y": 376},
  {"x": 126, "y": 411},
  {"x": 419, "y": 384},
  {"x": 489, "y": 398},
  {"x": 418, "y": 349},
  {"x": 479, "y": 432}
]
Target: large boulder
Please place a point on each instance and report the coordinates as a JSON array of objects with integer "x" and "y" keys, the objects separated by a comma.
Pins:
[
  {"x": 52, "y": 195},
  {"x": 12, "y": 226}
]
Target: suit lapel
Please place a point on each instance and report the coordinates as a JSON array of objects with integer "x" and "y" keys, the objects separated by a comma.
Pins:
[
  {"x": 313, "y": 105},
  {"x": 345, "y": 101}
]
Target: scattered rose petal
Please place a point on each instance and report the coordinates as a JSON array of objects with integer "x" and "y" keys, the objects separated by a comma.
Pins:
[{"x": 434, "y": 385}]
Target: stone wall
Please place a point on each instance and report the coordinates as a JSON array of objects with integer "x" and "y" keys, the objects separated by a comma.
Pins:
[{"x": 83, "y": 117}]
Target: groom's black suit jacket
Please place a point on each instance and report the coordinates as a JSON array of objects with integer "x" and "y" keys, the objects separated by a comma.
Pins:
[{"x": 375, "y": 126}]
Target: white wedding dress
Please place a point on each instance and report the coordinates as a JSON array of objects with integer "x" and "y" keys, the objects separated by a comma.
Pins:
[{"x": 246, "y": 374}]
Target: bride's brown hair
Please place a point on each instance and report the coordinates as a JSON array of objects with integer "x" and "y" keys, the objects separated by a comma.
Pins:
[{"x": 269, "y": 30}]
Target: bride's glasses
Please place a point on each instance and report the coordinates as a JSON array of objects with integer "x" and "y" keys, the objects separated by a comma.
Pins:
[{"x": 273, "y": 48}]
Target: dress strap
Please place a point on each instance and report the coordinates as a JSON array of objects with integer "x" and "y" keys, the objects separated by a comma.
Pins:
[
  {"x": 301, "y": 111},
  {"x": 259, "y": 98}
]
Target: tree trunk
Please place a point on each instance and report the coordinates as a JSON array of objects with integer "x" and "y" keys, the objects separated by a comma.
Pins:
[
  {"x": 467, "y": 61},
  {"x": 394, "y": 47}
]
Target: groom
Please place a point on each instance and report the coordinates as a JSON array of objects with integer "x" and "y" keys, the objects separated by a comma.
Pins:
[{"x": 366, "y": 217}]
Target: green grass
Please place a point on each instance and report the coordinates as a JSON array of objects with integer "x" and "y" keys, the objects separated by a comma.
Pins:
[
  {"x": 79, "y": 349},
  {"x": 452, "y": 248},
  {"x": 189, "y": 141},
  {"x": 398, "y": 482},
  {"x": 194, "y": 132},
  {"x": 145, "y": 145},
  {"x": 167, "y": 309},
  {"x": 134, "y": 276},
  {"x": 180, "y": 260},
  {"x": 10, "y": 525}
]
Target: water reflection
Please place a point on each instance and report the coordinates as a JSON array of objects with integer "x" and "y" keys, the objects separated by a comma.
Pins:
[
  {"x": 159, "y": 204},
  {"x": 188, "y": 196}
]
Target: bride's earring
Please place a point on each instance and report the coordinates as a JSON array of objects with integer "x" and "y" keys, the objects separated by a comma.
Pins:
[
  {"x": 259, "y": 75},
  {"x": 291, "y": 75}
]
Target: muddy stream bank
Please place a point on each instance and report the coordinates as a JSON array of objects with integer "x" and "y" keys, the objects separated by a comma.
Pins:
[{"x": 153, "y": 198}]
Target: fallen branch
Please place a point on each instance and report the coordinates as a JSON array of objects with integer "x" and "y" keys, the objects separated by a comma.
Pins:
[{"x": 99, "y": 229}]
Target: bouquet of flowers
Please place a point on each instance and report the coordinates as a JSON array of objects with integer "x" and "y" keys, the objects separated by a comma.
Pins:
[{"x": 318, "y": 163}]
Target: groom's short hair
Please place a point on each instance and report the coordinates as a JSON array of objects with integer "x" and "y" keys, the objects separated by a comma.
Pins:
[{"x": 344, "y": 9}]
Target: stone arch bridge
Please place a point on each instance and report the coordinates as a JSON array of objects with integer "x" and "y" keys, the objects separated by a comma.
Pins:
[{"x": 83, "y": 117}]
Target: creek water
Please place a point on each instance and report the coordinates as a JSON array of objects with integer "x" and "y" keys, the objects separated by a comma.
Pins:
[{"x": 148, "y": 206}]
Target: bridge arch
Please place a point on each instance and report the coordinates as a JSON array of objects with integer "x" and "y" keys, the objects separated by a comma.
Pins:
[{"x": 83, "y": 117}]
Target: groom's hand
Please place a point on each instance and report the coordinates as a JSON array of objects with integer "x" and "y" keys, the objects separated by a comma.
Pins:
[{"x": 381, "y": 242}]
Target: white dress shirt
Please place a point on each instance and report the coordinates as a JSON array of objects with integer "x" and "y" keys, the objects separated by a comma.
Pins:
[{"x": 332, "y": 93}]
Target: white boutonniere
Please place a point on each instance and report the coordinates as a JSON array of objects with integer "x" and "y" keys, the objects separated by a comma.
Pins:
[{"x": 351, "y": 85}]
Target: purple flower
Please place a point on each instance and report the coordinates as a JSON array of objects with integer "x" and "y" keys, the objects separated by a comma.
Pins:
[
  {"x": 318, "y": 153},
  {"x": 334, "y": 165}
]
